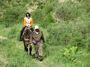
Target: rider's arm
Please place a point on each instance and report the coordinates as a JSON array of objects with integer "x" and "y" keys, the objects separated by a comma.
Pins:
[
  {"x": 31, "y": 22},
  {"x": 24, "y": 22}
]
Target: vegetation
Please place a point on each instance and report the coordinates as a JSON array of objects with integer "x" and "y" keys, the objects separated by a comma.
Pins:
[{"x": 65, "y": 24}]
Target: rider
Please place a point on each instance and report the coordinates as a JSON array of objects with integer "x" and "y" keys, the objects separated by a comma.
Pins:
[{"x": 28, "y": 21}]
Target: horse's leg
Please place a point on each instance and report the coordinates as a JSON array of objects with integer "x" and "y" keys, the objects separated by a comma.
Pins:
[
  {"x": 30, "y": 50},
  {"x": 25, "y": 47}
]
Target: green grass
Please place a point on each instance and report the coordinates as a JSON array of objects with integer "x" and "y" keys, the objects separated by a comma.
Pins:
[
  {"x": 66, "y": 42},
  {"x": 13, "y": 53}
]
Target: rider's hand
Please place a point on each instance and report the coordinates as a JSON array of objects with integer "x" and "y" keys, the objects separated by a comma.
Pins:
[{"x": 28, "y": 25}]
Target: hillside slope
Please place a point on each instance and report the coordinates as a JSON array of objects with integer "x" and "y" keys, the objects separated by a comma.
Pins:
[{"x": 66, "y": 28}]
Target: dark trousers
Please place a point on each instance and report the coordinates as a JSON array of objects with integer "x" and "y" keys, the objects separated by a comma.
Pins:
[{"x": 21, "y": 33}]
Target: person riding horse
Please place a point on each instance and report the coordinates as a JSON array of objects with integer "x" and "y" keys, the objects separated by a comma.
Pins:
[
  {"x": 28, "y": 21},
  {"x": 38, "y": 40},
  {"x": 30, "y": 35}
]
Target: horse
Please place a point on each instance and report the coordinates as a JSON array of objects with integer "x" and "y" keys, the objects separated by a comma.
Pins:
[{"x": 27, "y": 39}]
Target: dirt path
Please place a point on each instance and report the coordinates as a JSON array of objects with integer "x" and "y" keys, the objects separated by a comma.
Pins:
[
  {"x": 3, "y": 61},
  {"x": 41, "y": 63},
  {"x": 3, "y": 38}
]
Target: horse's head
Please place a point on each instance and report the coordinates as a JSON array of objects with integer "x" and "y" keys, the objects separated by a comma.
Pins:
[{"x": 27, "y": 31}]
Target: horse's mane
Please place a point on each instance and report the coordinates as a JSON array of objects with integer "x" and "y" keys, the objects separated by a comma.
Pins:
[{"x": 27, "y": 32}]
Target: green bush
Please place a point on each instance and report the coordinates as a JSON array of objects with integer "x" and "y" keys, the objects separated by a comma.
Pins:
[
  {"x": 47, "y": 21},
  {"x": 38, "y": 16},
  {"x": 68, "y": 11},
  {"x": 48, "y": 8},
  {"x": 43, "y": 16},
  {"x": 13, "y": 16},
  {"x": 86, "y": 5},
  {"x": 12, "y": 33},
  {"x": 70, "y": 53},
  {"x": 76, "y": 34}
]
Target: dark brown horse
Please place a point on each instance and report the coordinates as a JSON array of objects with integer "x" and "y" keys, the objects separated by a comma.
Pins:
[{"x": 27, "y": 39}]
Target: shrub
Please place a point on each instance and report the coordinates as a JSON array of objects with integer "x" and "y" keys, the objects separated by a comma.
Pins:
[
  {"x": 12, "y": 33},
  {"x": 74, "y": 34},
  {"x": 13, "y": 16},
  {"x": 68, "y": 11},
  {"x": 70, "y": 53},
  {"x": 38, "y": 16}
]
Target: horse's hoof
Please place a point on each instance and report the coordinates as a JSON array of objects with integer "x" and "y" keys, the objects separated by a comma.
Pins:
[
  {"x": 40, "y": 58},
  {"x": 30, "y": 54},
  {"x": 34, "y": 56}
]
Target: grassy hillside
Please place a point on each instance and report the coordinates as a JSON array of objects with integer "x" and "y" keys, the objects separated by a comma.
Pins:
[{"x": 66, "y": 28}]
